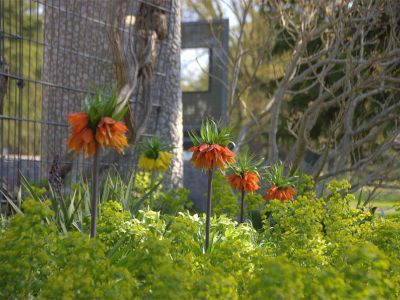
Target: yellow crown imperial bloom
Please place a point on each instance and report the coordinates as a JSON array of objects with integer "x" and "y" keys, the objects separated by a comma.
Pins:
[
  {"x": 165, "y": 158},
  {"x": 145, "y": 163},
  {"x": 159, "y": 164}
]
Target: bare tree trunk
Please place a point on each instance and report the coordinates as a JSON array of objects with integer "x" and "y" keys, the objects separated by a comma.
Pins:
[{"x": 170, "y": 118}]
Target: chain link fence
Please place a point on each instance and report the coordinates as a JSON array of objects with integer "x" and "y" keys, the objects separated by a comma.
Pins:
[{"x": 52, "y": 54}]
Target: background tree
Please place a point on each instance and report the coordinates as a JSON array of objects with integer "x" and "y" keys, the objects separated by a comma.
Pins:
[{"x": 315, "y": 83}]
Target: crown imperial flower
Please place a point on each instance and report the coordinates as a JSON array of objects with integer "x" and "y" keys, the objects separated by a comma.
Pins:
[
  {"x": 282, "y": 194},
  {"x": 281, "y": 185},
  {"x": 155, "y": 155},
  {"x": 99, "y": 125},
  {"x": 244, "y": 173},
  {"x": 247, "y": 182},
  {"x": 210, "y": 147}
]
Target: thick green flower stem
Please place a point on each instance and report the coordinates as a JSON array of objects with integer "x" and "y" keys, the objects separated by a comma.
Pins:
[
  {"x": 242, "y": 208},
  {"x": 153, "y": 177},
  {"x": 95, "y": 191},
  {"x": 208, "y": 211}
]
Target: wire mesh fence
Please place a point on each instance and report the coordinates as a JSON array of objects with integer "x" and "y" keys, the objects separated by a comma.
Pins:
[{"x": 52, "y": 52}]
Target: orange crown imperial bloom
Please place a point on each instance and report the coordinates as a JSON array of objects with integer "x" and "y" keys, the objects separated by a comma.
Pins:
[
  {"x": 282, "y": 194},
  {"x": 208, "y": 157},
  {"x": 248, "y": 182},
  {"x": 82, "y": 137},
  {"x": 111, "y": 133}
]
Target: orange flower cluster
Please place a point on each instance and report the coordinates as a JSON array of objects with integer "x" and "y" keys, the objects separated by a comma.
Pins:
[
  {"x": 208, "y": 157},
  {"x": 109, "y": 133},
  {"x": 82, "y": 136},
  {"x": 248, "y": 182},
  {"x": 282, "y": 194}
]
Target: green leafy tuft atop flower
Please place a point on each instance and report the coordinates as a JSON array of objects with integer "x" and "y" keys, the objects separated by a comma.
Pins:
[
  {"x": 276, "y": 176},
  {"x": 246, "y": 162},
  {"x": 102, "y": 103},
  {"x": 152, "y": 146},
  {"x": 211, "y": 133}
]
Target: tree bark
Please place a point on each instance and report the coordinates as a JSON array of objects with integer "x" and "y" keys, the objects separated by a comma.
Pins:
[{"x": 170, "y": 112}]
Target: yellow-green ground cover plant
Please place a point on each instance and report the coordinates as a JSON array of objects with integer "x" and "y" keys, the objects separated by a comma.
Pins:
[{"x": 309, "y": 248}]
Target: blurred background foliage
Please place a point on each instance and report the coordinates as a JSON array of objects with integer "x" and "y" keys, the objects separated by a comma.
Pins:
[{"x": 22, "y": 53}]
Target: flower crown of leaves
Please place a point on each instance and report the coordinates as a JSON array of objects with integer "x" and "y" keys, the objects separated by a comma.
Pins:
[
  {"x": 275, "y": 174},
  {"x": 211, "y": 133},
  {"x": 245, "y": 163},
  {"x": 102, "y": 103},
  {"x": 152, "y": 146}
]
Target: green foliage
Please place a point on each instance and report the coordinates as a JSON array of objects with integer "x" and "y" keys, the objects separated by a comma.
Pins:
[
  {"x": 225, "y": 201},
  {"x": 212, "y": 134},
  {"x": 110, "y": 226},
  {"x": 173, "y": 201},
  {"x": 305, "y": 186},
  {"x": 386, "y": 236},
  {"x": 253, "y": 201},
  {"x": 152, "y": 146},
  {"x": 36, "y": 261},
  {"x": 26, "y": 249},
  {"x": 277, "y": 278},
  {"x": 312, "y": 230},
  {"x": 83, "y": 271},
  {"x": 310, "y": 248},
  {"x": 72, "y": 209},
  {"x": 4, "y": 222}
]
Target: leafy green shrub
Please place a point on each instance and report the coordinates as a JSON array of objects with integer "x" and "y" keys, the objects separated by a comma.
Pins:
[
  {"x": 311, "y": 248},
  {"x": 311, "y": 230},
  {"x": 296, "y": 230},
  {"x": 386, "y": 236},
  {"x": 368, "y": 270},
  {"x": 83, "y": 271},
  {"x": 277, "y": 278},
  {"x": 26, "y": 249},
  {"x": 225, "y": 201},
  {"x": 111, "y": 223},
  {"x": 171, "y": 202}
]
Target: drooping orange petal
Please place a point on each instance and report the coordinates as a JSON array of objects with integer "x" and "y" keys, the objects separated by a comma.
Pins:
[
  {"x": 77, "y": 119},
  {"x": 81, "y": 137},
  {"x": 106, "y": 120},
  {"x": 111, "y": 133},
  {"x": 75, "y": 143},
  {"x": 282, "y": 194},
  {"x": 248, "y": 182},
  {"x": 203, "y": 148},
  {"x": 87, "y": 136},
  {"x": 82, "y": 140},
  {"x": 208, "y": 157},
  {"x": 90, "y": 148},
  {"x": 121, "y": 127}
]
